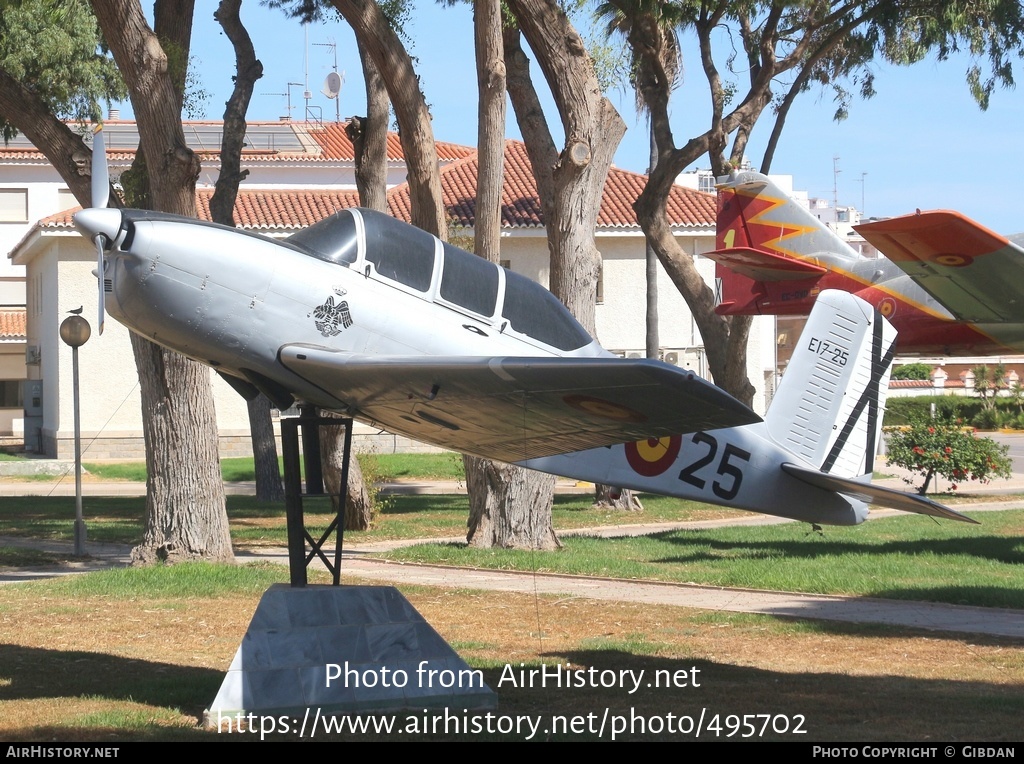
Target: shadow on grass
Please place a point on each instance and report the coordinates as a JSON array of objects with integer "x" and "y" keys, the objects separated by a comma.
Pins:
[
  {"x": 798, "y": 706},
  {"x": 1004, "y": 549},
  {"x": 34, "y": 673},
  {"x": 834, "y": 706}
]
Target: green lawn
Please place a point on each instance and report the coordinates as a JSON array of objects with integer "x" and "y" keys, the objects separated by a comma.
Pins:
[
  {"x": 901, "y": 557},
  {"x": 442, "y": 466},
  {"x": 254, "y": 523}
]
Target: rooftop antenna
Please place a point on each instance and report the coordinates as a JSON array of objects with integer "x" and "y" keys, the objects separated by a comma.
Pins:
[
  {"x": 835, "y": 183},
  {"x": 288, "y": 95},
  {"x": 306, "y": 94},
  {"x": 861, "y": 181},
  {"x": 334, "y": 80}
]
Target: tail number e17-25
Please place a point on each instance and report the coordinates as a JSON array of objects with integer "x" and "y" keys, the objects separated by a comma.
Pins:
[
  {"x": 727, "y": 467},
  {"x": 829, "y": 350}
]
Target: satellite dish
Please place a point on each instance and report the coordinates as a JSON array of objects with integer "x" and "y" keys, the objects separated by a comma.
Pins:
[{"x": 332, "y": 85}]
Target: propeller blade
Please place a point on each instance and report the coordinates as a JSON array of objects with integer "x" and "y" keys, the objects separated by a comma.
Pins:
[
  {"x": 99, "y": 279},
  {"x": 100, "y": 172}
]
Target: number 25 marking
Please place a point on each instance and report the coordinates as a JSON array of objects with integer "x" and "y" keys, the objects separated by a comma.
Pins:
[{"x": 725, "y": 467}]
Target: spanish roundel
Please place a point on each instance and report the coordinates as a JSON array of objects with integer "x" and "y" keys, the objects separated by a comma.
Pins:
[{"x": 653, "y": 456}]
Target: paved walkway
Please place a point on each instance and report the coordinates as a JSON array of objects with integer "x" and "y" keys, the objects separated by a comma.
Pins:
[{"x": 950, "y": 618}]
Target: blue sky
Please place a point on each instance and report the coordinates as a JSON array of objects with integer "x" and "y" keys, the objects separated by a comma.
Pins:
[{"x": 922, "y": 140}]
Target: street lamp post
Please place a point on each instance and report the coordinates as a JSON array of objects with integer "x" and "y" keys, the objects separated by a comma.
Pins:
[{"x": 75, "y": 331}]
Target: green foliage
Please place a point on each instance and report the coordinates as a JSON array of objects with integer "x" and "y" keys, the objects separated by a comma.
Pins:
[
  {"x": 52, "y": 47},
  {"x": 944, "y": 447},
  {"x": 902, "y": 411},
  {"x": 912, "y": 371},
  {"x": 988, "y": 382}
]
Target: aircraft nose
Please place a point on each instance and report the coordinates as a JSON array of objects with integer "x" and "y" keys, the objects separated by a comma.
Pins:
[{"x": 99, "y": 221}]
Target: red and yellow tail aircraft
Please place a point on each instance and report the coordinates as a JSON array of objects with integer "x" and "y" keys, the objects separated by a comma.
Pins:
[{"x": 948, "y": 285}]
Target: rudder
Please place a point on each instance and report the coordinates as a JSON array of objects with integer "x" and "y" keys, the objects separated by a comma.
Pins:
[{"x": 829, "y": 406}]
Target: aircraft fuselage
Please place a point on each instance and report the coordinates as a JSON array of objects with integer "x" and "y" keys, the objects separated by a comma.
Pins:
[{"x": 231, "y": 300}]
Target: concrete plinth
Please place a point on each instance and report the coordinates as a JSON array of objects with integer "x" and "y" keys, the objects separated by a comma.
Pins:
[{"x": 378, "y": 650}]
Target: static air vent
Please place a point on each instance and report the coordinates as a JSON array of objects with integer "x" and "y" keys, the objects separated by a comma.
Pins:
[{"x": 108, "y": 285}]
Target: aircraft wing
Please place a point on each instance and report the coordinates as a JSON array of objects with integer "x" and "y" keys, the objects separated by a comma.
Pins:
[
  {"x": 976, "y": 274},
  {"x": 513, "y": 409}
]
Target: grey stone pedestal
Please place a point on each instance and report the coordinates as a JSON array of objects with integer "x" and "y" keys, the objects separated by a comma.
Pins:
[{"x": 343, "y": 649}]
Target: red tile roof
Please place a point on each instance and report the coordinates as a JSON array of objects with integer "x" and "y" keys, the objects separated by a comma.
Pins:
[
  {"x": 910, "y": 383},
  {"x": 520, "y": 205},
  {"x": 335, "y": 144},
  {"x": 12, "y": 325},
  {"x": 281, "y": 209},
  {"x": 270, "y": 210},
  {"x": 331, "y": 144}
]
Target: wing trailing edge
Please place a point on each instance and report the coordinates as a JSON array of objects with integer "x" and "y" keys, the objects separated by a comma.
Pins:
[{"x": 511, "y": 408}]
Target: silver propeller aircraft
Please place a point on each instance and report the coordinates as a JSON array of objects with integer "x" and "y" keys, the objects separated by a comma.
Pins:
[{"x": 371, "y": 317}]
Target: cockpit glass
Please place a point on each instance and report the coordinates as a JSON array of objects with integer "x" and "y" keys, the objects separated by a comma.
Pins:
[
  {"x": 532, "y": 310},
  {"x": 335, "y": 239},
  {"x": 469, "y": 281},
  {"x": 399, "y": 252}
]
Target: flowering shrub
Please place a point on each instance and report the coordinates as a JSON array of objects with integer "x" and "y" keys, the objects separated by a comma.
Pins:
[{"x": 946, "y": 448}]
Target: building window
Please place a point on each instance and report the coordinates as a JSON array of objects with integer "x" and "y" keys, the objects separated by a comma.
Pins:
[
  {"x": 706, "y": 181},
  {"x": 13, "y": 205},
  {"x": 65, "y": 199},
  {"x": 10, "y": 394}
]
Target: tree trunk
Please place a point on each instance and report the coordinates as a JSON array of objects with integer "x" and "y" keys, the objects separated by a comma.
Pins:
[
  {"x": 248, "y": 69},
  {"x": 264, "y": 450},
  {"x": 575, "y": 179},
  {"x": 369, "y": 136},
  {"x": 185, "y": 517},
  {"x": 64, "y": 149},
  {"x": 509, "y": 506},
  {"x": 609, "y": 497},
  {"x": 358, "y": 504},
  {"x": 651, "y": 260},
  {"x": 369, "y": 139},
  {"x": 517, "y": 513},
  {"x": 381, "y": 44},
  {"x": 185, "y": 512},
  {"x": 727, "y": 355}
]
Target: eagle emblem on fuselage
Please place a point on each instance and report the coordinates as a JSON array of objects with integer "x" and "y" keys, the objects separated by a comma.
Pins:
[{"x": 331, "y": 317}]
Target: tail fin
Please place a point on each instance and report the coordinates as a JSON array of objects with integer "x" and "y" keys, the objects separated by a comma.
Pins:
[
  {"x": 829, "y": 406},
  {"x": 770, "y": 251},
  {"x": 828, "y": 409}
]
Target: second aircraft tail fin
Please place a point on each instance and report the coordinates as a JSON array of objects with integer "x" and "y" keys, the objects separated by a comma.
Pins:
[{"x": 771, "y": 251}]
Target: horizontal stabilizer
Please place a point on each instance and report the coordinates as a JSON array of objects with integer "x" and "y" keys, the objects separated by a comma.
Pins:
[
  {"x": 875, "y": 494},
  {"x": 759, "y": 265},
  {"x": 974, "y": 273}
]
